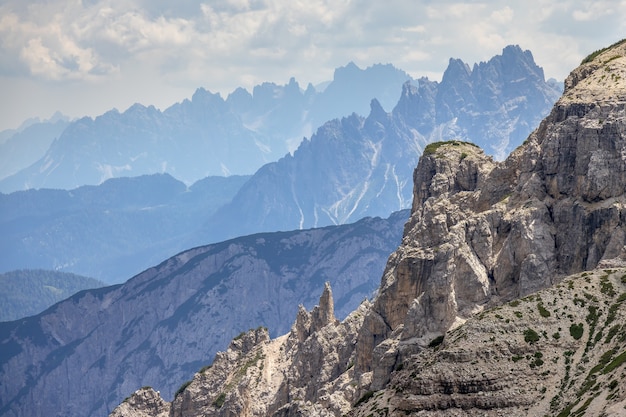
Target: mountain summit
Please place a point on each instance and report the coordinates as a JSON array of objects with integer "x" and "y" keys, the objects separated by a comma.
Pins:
[{"x": 506, "y": 296}]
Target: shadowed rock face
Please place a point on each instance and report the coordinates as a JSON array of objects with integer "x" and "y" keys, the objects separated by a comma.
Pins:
[{"x": 481, "y": 234}]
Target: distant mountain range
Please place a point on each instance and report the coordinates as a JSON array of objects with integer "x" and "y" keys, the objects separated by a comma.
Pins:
[
  {"x": 22, "y": 147},
  {"x": 204, "y": 136},
  {"x": 28, "y": 292},
  {"x": 356, "y": 167},
  {"x": 495, "y": 104},
  {"x": 351, "y": 168},
  {"x": 111, "y": 231}
]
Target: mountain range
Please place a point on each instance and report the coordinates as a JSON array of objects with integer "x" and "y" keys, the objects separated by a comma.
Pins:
[
  {"x": 162, "y": 325},
  {"x": 203, "y": 136},
  {"x": 110, "y": 231},
  {"x": 497, "y": 103},
  {"x": 350, "y": 168},
  {"x": 157, "y": 328},
  {"x": 506, "y": 296},
  {"x": 23, "y": 146},
  {"x": 357, "y": 166}
]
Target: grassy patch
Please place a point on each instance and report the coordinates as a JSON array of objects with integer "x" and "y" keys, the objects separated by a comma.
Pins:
[
  {"x": 182, "y": 388},
  {"x": 594, "y": 54},
  {"x": 576, "y": 331},
  {"x": 431, "y": 148},
  {"x": 618, "y": 361},
  {"x": 530, "y": 336},
  {"x": 220, "y": 400},
  {"x": 542, "y": 310}
]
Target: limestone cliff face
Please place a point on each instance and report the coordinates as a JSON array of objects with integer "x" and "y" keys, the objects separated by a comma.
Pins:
[{"x": 481, "y": 234}]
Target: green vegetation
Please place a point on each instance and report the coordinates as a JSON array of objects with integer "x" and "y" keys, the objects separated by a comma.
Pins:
[
  {"x": 537, "y": 360},
  {"x": 530, "y": 336},
  {"x": 594, "y": 54},
  {"x": 542, "y": 311},
  {"x": 219, "y": 401},
  {"x": 30, "y": 291},
  {"x": 606, "y": 287},
  {"x": 431, "y": 148},
  {"x": 618, "y": 361},
  {"x": 576, "y": 330},
  {"x": 182, "y": 388},
  {"x": 612, "y": 332},
  {"x": 242, "y": 334}
]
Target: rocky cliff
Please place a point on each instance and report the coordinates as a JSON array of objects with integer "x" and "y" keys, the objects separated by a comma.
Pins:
[{"x": 474, "y": 315}]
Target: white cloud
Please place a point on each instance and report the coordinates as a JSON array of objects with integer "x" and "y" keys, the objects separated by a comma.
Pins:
[{"x": 222, "y": 44}]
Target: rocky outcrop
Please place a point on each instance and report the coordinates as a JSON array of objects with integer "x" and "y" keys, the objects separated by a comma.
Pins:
[
  {"x": 144, "y": 402},
  {"x": 440, "y": 339},
  {"x": 559, "y": 351},
  {"x": 292, "y": 375}
]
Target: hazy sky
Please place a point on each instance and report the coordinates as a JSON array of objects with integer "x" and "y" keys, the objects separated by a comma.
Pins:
[{"x": 86, "y": 57}]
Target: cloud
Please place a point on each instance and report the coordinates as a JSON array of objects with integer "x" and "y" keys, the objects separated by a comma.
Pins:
[{"x": 223, "y": 44}]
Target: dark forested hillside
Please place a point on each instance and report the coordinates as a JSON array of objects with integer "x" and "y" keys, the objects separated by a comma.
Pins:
[{"x": 28, "y": 292}]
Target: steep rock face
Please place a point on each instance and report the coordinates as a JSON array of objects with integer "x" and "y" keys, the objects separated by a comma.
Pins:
[
  {"x": 161, "y": 326},
  {"x": 482, "y": 234},
  {"x": 493, "y": 104},
  {"x": 306, "y": 372},
  {"x": 350, "y": 168}
]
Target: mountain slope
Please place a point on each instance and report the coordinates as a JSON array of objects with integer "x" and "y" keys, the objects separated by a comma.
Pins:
[
  {"x": 25, "y": 146},
  {"x": 484, "y": 309},
  {"x": 29, "y": 292},
  {"x": 110, "y": 231},
  {"x": 162, "y": 325}
]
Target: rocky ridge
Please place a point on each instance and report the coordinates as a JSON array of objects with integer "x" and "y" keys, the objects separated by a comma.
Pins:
[
  {"x": 164, "y": 324},
  {"x": 481, "y": 234}
]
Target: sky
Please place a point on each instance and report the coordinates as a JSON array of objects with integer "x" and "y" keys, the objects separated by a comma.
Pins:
[{"x": 83, "y": 58}]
